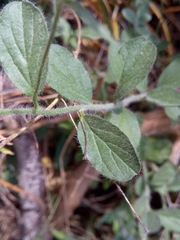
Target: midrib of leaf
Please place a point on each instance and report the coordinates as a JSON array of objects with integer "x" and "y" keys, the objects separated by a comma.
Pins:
[
  {"x": 99, "y": 152},
  {"x": 111, "y": 144},
  {"x": 29, "y": 53},
  {"x": 113, "y": 134},
  {"x": 16, "y": 42},
  {"x": 94, "y": 136},
  {"x": 128, "y": 155},
  {"x": 113, "y": 158}
]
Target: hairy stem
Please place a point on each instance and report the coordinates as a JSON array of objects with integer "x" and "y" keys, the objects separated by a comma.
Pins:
[
  {"x": 61, "y": 111},
  {"x": 70, "y": 109},
  {"x": 132, "y": 99}
]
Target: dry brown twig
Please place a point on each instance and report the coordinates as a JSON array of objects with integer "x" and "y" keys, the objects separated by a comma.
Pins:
[
  {"x": 21, "y": 191},
  {"x": 76, "y": 53},
  {"x": 132, "y": 209}
]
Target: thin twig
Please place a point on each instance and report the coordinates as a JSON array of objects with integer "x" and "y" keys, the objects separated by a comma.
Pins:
[
  {"x": 21, "y": 191},
  {"x": 132, "y": 209},
  {"x": 70, "y": 115},
  {"x": 53, "y": 210},
  {"x": 76, "y": 53},
  {"x": 115, "y": 12},
  {"x": 108, "y": 8}
]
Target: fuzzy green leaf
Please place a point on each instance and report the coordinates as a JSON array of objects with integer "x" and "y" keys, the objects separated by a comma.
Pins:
[
  {"x": 108, "y": 149},
  {"x": 138, "y": 57},
  {"x": 164, "y": 96},
  {"x": 170, "y": 76},
  {"x": 68, "y": 76},
  {"x": 113, "y": 73},
  {"x": 174, "y": 186},
  {"x": 170, "y": 219},
  {"x": 173, "y": 113},
  {"x": 23, "y": 38},
  {"x": 151, "y": 220},
  {"x": 130, "y": 16},
  {"x": 155, "y": 149},
  {"x": 127, "y": 122},
  {"x": 161, "y": 178}
]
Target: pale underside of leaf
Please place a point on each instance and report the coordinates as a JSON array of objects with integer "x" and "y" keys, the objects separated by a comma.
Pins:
[
  {"x": 170, "y": 219},
  {"x": 138, "y": 56},
  {"x": 170, "y": 76},
  {"x": 113, "y": 73},
  {"x": 109, "y": 150},
  {"x": 173, "y": 113},
  {"x": 23, "y": 38},
  {"x": 164, "y": 96},
  {"x": 68, "y": 76}
]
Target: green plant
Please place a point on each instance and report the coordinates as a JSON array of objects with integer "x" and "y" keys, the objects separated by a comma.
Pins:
[
  {"x": 109, "y": 142},
  {"x": 29, "y": 60}
]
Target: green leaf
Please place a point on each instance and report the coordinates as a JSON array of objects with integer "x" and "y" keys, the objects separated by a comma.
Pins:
[
  {"x": 108, "y": 149},
  {"x": 62, "y": 236},
  {"x": 90, "y": 32},
  {"x": 141, "y": 204},
  {"x": 170, "y": 76},
  {"x": 23, "y": 38},
  {"x": 114, "y": 71},
  {"x": 165, "y": 175},
  {"x": 139, "y": 186},
  {"x": 170, "y": 219},
  {"x": 143, "y": 30},
  {"x": 129, "y": 15},
  {"x": 6, "y": 151},
  {"x": 174, "y": 186},
  {"x": 121, "y": 220},
  {"x": 162, "y": 46},
  {"x": 142, "y": 87},
  {"x": 64, "y": 29},
  {"x": 127, "y": 122},
  {"x": 155, "y": 149},
  {"x": 59, "y": 235},
  {"x": 164, "y": 96},
  {"x": 138, "y": 57},
  {"x": 173, "y": 113},
  {"x": 143, "y": 13},
  {"x": 68, "y": 76},
  {"x": 128, "y": 33},
  {"x": 151, "y": 220}
]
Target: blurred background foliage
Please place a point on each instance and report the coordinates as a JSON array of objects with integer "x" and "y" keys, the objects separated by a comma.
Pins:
[{"x": 100, "y": 211}]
